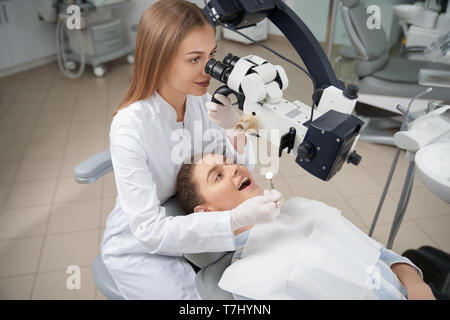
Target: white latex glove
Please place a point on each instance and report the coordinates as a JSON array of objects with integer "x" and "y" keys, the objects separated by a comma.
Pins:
[
  {"x": 275, "y": 193},
  {"x": 223, "y": 114},
  {"x": 256, "y": 210}
]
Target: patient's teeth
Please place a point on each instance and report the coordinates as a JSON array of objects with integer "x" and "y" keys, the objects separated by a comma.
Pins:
[{"x": 242, "y": 182}]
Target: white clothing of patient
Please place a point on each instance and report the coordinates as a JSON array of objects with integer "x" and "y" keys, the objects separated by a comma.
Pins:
[{"x": 309, "y": 252}]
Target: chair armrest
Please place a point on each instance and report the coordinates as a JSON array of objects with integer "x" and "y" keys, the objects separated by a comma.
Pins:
[
  {"x": 348, "y": 53},
  {"x": 414, "y": 49},
  {"x": 208, "y": 278},
  {"x": 91, "y": 169}
]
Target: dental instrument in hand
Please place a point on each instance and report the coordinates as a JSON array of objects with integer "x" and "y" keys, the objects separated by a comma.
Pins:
[{"x": 269, "y": 176}]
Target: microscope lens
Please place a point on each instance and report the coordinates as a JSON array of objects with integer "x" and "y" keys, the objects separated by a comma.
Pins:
[
  {"x": 218, "y": 70},
  {"x": 230, "y": 59},
  {"x": 209, "y": 66}
]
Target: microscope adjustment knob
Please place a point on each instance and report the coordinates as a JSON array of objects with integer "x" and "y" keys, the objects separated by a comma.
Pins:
[
  {"x": 305, "y": 150},
  {"x": 354, "y": 158},
  {"x": 351, "y": 91}
]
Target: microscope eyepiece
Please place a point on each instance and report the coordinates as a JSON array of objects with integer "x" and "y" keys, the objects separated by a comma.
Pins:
[
  {"x": 221, "y": 70},
  {"x": 230, "y": 59},
  {"x": 218, "y": 70}
]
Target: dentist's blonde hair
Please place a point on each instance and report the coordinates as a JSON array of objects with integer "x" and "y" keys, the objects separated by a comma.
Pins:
[{"x": 161, "y": 29}]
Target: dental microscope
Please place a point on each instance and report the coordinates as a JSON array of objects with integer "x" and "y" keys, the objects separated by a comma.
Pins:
[{"x": 321, "y": 137}]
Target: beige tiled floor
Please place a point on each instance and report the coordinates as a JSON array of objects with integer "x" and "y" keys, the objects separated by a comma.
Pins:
[{"x": 48, "y": 124}]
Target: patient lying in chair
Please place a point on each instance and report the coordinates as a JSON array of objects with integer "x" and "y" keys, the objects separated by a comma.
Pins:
[{"x": 309, "y": 252}]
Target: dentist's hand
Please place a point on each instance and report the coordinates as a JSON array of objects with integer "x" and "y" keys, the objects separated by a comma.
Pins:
[
  {"x": 223, "y": 114},
  {"x": 256, "y": 210},
  {"x": 275, "y": 194}
]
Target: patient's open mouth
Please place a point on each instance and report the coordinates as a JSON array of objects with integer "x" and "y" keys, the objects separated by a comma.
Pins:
[{"x": 245, "y": 183}]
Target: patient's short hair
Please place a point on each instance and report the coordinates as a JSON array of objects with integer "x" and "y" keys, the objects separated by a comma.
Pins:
[{"x": 187, "y": 190}]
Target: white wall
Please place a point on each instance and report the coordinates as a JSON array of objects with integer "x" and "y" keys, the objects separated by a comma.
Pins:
[
  {"x": 313, "y": 12},
  {"x": 133, "y": 11},
  {"x": 315, "y": 15},
  {"x": 131, "y": 14},
  {"x": 388, "y": 20}
]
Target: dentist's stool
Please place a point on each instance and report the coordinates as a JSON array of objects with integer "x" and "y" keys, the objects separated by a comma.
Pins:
[
  {"x": 87, "y": 172},
  {"x": 103, "y": 280}
]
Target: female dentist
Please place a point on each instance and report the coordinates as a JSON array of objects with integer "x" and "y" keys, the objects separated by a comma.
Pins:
[{"x": 142, "y": 248}]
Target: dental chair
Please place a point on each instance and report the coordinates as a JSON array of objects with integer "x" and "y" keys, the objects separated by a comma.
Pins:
[
  {"x": 434, "y": 263},
  {"x": 381, "y": 75},
  {"x": 211, "y": 264}
]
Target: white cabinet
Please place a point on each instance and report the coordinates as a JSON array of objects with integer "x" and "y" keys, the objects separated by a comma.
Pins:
[
  {"x": 258, "y": 33},
  {"x": 23, "y": 35}
]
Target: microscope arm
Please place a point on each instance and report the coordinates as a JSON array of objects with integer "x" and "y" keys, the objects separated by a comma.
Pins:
[
  {"x": 244, "y": 13},
  {"x": 305, "y": 44},
  {"x": 323, "y": 144}
]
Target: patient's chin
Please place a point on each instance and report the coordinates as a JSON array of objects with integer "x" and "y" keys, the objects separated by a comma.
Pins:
[
  {"x": 255, "y": 191},
  {"x": 259, "y": 191}
]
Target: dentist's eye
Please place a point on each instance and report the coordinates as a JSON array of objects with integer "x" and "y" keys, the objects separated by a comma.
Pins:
[
  {"x": 195, "y": 60},
  {"x": 213, "y": 53},
  {"x": 218, "y": 176}
]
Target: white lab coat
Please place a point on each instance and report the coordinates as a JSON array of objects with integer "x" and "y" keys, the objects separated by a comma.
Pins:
[{"x": 142, "y": 248}]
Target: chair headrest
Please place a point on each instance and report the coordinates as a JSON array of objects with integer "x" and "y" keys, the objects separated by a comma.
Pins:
[
  {"x": 201, "y": 260},
  {"x": 173, "y": 208},
  {"x": 370, "y": 43},
  {"x": 350, "y": 3}
]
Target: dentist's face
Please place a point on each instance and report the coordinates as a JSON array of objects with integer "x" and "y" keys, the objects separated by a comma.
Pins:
[
  {"x": 186, "y": 73},
  {"x": 220, "y": 184}
]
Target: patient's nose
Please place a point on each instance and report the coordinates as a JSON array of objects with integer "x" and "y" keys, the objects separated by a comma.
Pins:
[{"x": 234, "y": 169}]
